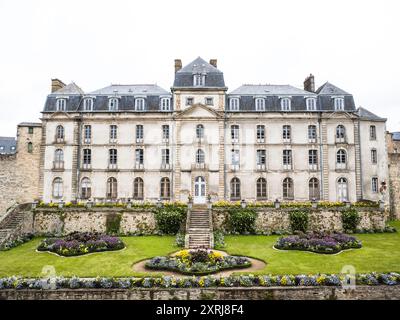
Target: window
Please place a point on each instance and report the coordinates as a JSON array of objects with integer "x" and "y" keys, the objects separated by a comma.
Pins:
[
  {"x": 235, "y": 156},
  {"x": 138, "y": 189},
  {"x": 12, "y": 148},
  {"x": 57, "y": 188},
  {"x": 30, "y": 130},
  {"x": 199, "y": 131},
  {"x": 87, "y": 133},
  {"x": 60, "y": 133},
  {"x": 286, "y": 133},
  {"x": 165, "y": 132},
  {"x": 139, "y": 104},
  {"x": 139, "y": 133},
  {"x": 88, "y": 104},
  {"x": 235, "y": 189},
  {"x": 112, "y": 188},
  {"x": 2, "y": 148},
  {"x": 374, "y": 185},
  {"x": 112, "y": 156},
  {"x": 342, "y": 189},
  {"x": 341, "y": 159},
  {"x": 339, "y": 104},
  {"x": 200, "y": 156},
  {"x": 165, "y": 188},
  {"x": 311, "y": 104},
  {"x": 312, "y": 133},
  {"x": 139, "y": 154},
  {"x": 165, "y": 104},
  {"x": 261, "y": 158},
  {"x": 87, "y": 157},
  {"x": 340, "y": 133},
  {"x": 288, "y": 191},
  {"x": 374, "y": 156},
  {"x": 61, "y": 104},
  {"x": 113, "y": 133},
  {"x": 235, "y": 133},
  {"x": 313, "y": 189},
  {"x": 372, "y": 133},
  {"x": 234, "y": 104},
  {"x": 285, "y": 104},
  {"x": 260, "y": 104},
  {"x": 189, "y": 101},
  {"x": 86, "y": 188},
  {"x": 209, "y": 101},
  {"x": 113, "y": 104},
  {"x": 312, "y": 158},
  {"x": 260, "y": 133},
  {"x": 287, "y": 159},
  {"x": 58, "y": 159},
  {"x": 164, "y": 157},
  {"x": 261, "y": 189},
  {"x": 30, "y": 147},
  {"x": 199, "y": 80}
]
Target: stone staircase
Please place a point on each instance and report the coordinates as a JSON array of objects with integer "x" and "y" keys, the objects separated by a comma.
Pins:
[
  {"x": 11, "y": 222},
  {"x": 199, "y": 228}
]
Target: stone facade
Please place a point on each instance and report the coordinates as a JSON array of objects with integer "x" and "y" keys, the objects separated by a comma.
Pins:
[{"x": 393, "y": 148}]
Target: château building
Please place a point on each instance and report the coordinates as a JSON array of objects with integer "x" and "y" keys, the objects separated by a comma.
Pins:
[{"x": 256, "y": 142}]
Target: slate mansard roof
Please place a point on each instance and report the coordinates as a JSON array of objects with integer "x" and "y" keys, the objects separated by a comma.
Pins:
[{"x": 8, "y": 145}]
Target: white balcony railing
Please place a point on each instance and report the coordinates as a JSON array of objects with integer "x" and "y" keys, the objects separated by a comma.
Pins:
[
  {"x": 86, "y": 166},
  {"x": 313, "y": 167},
  {"x": 341, "y": 166},
  {"x": 261, "y": 167},
  {"x": 58, "y": 165},
  {"x": 287, "y": 166},
  {"x": 112, "y": 166}
]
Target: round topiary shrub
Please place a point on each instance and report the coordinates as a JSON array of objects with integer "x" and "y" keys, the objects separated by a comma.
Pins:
[
  {"x": 298, "y": 220},
  {"x": 169, "y": 220},
  {"x": 242, "y": 221}
]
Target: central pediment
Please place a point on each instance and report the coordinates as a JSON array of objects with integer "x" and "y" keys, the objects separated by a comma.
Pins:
[{"x": 199, "y": 111}]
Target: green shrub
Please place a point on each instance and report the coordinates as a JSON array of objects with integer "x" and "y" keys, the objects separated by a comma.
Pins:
[
  {"x": 242, "y": 221},
  {"x": 113, "y": 223},
  {"x": 350, "y": 219},
  {"x": 298, "y": 220},
  {"x": 169, "y": 220},
  {"x": 219, "y": 240},
  {"x": 180, "y": 240}
]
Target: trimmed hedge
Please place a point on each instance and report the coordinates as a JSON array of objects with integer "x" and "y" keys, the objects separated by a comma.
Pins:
[
  {"x": 170, "y": 219},
  {"x": 299, "y": 220},
  {"x": 242, "y": 221}
]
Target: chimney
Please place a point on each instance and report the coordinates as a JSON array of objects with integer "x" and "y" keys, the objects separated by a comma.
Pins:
[
  {"x": 309, "y": 83},
  {"x": 56, "y": 84},
  {"x": 178, "y": 65},
  {"x": 213, "y": 62}
]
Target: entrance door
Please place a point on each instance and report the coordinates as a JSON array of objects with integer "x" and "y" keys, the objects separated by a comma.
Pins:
[
  {"x": 342, "y": 190},
  {"x": 199, "y": 190}
]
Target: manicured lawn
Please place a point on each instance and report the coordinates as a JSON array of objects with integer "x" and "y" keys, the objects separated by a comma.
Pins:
[
  {"x": 25, "y": 261},
  {"x": 380, "y": 253}
]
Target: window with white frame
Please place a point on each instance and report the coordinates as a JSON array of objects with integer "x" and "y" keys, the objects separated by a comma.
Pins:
[
  {"x": 112, "y": 188},
  {"x": 113, "y": 104},
  {"x": 234, "y": 104},
  {"x": 288, "y": 189},
  {"x": 286, "y": 133},
  {"x": 261, "y": 158},
  {"x": 165, "y": 132},
  {"x": 165, "y": 188},
  {"x": 260, "y": 133},
  {"x": 87, "y": 133},
  {"x": 287, "y": 158},
  {"x": 164, "y": 157},
  {"x": 285, "y": 104},
  {"x": 339, "y": 104},
  {"x": 261, "y": 189},
  {"x": 311, "y": 104},
  {"x": 61, "y": 104},
  {"x": 235, "y": 189},
  {"x": 374, "y": 156},
  {"x": 112, "y": 156},
  {"x": 139, "y": 133},
  {"x": 200, "y": 156},
  {"x": 86, "y": 188},
  {"x": 374, "y": 185},
  {"x": 139, "y": 153},
  {"x": 340, "y": 133},
  {"x": 313, "y": 189},
  {"x": 341, "y": 159},
  {"x": 235, "y": 133},
  {"x": 260, "y": 104},
  {"x": 87, "y": 157},
  {"x": 235, "y": 157},
  {"x": 139, "y": 104},
  {"x": 313, "y": 159},
  {"x": 113, "y": 132},
  {"x": 88, "y": 104},
  {"x": 165, "y": 104},
  {"x": 60, "y": 133},
  {"x": 199, "y": 80},
  {"x": 199, "y": 131},
  {"x": 59, "y": 159},
  {"x": 312, "y": 133},
  {"x": 189, "y": 101},
  {"x": 57, "y": 188},
  {"x": 138, "y": 188}
]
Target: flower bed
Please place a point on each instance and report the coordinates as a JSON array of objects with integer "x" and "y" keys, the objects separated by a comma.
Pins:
[
  {"x": 318, "y": 242},
  {"x": 198, "y": 261},
  {"x": 79, "y": 243}
]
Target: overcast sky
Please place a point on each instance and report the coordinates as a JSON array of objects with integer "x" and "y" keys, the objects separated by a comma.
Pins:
[{"x": 352, "y": 44}]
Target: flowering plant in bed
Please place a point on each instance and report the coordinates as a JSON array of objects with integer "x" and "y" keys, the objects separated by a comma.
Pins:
[
  {"x": 79, "y": 243},
  {"x": 318, "y": 242},
  {"x": 198, "y": 261}
]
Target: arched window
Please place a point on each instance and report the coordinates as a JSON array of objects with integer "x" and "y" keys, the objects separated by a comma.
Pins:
[
  {"x": 30, "y": 147},
  {"x": 59, "y": 133},
  {"x": 86, "y": 188},
  {"x": 341, "y": 159},
  {"x": 200, "y": 156},
  {"x": 313, "y": 189},
  {"x": 288, "y": 190},
  {"x": 199, "y": 131},
  {"x": 57, "y": 188},
  {"x": 165, "y": 188},
  {"x": 58, "y": 159},
  {"x": 342, "y": 189},
  {"x": 261, "y": 189},
  {"x": 138, "y": 189},
  {"x": 235, "y": 189},
  {"x": 112, "y": 188},
  {"x": 340, "y": 133},
  {"x": 113, "y": 104}
]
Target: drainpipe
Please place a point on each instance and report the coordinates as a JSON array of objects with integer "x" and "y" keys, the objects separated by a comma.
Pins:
[
  {"x": 225, "y": 175},
  {"x": 321, "y": 187},
  {"x": 359, "y": 143}
]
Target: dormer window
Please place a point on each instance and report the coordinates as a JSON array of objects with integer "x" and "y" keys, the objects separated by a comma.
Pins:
[
  {"x": 165, "y": 104},
  {"x": 260, "y": 104},
  {"x": 61, "y": 104},
  {"x": 113, "y": 104},
  {"x": 285, "y": 104},
  {"x": 339, "y": 104},
  {"x": 88, "y": 104},
  {"x": 139, "y": 104},
  {"x": 311, "y": 104},
  {"x": 199, "y": 80},
  {"x": 234, "y": 104}
]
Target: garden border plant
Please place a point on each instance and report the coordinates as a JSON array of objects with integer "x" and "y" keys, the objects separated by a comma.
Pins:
[
  {"x": 170, "y": 219},
  {"x": 299, "y": 220},
  {"x": 242, "y": 220}
]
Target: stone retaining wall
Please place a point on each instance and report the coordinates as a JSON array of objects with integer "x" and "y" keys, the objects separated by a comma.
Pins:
[{"x": 255, "y": 293}]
